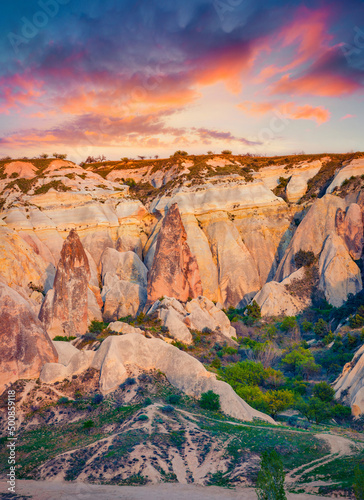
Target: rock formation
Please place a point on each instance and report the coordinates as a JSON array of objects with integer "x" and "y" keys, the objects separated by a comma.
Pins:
[
  {"x": 275, "y": 299},
  {"x": 174, "y": 271},
  {"x": 65, "y": 308},
  {"x": 117, "y": 353},
  {"x": 350, "y": 384},
  {"x": 349, "y": 225},
  {"x": 25, "y": 345}
]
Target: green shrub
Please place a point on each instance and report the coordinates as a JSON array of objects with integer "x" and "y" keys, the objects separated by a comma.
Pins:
[
  {"x": 174, "y": 399},
  {"x": 97, "y": 399},
  {"x": 270, "y": 480},
  {"x": 88, "y": 424},
  {"x": 143, "y": 417},
  {"x": 321, "y": 328},
  {"x": 324, "y": 391},
  {"x": 289, "y": 323},
  {"x": 307, "y": 326},
  {"x": 63, "y": 400},
  {"x": 253, "y": 310},
  {"x": 210, "y": 401},
  {"x": 97, "y": 326},
  {"x": 278, "y": 401},
  {"x": 60, "y": 338}
]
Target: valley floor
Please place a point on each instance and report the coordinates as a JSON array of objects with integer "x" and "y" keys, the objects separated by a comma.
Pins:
[{"x": 59, "y": 490}]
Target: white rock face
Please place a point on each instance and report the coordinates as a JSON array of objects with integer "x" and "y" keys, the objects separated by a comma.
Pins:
[
  {"x": 183, "y": 371},
  {"x": 339, "y": 275},
  {"x": 275, "y": 300},
  {"x": 310, "y": 235},
  {"x": 176, "y": 327},
  {"x": 56, "y": 372},
  {"x": 238, "y": 273},
  {"x": 354, "y": 168},
  {"x": 121, "y": 298},
  {"x": 126, "y": 266},
  {"x": 297, "y": 186},
  {"x": 65, "y": 351},
  {"x": 352, "y": 381}
]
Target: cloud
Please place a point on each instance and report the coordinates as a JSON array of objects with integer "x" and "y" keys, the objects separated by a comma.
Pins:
[
  {"x": 345, "y": 117},
  {"x": 206, "y": 134},
  {"x": 288, "y": 109}
]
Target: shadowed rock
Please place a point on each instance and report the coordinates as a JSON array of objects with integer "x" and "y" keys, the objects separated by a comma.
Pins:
[
  {"x": 174, "y": 272},
  {"x": 349, "y": 225},
  {"x": 65, "y": 308},
  {"x": 24, "y": 343}
]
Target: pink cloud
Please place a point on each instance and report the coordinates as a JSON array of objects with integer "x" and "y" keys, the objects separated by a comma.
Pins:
[{"x": 289, "y": 109}]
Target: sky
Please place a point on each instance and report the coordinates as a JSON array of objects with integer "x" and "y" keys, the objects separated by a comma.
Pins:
[{"x": 149, "y": 77}]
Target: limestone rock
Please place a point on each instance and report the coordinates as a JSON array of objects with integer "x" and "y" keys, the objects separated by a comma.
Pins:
[
  {"x": 349, "y": 225},
  {"x": 174, "y": 271},
  {"x": 351, "y": 381},
  {"x": 182, "y": 370},
  {"x": 238, "y": 273},
  {"x": 339, "y": 275},
  {"x": 275, "y": 300},
  {"x": 65, "y": 351},
  {"x": 204, "y": 314},
  {"x": 56, "y": 372},
  {"x": 121, "y": 298},
  {"x": 19, "y": 263},
  {"x": 126, "y": 266},
  {"x": 296, "y": 188},
  {"x": 173, "y": 320},
  {"x": 130, "y": 243},
  {"x": 310, "y": 235},
  {"x": 65, "y": 308},
  {"x": 25, "y": 345},
  {"x": 120, "y": 327}
]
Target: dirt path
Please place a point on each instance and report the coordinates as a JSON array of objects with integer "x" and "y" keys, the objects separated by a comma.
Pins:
[
  {"x": 59, "y": 490},
  {"x": 339, "y": 446}
]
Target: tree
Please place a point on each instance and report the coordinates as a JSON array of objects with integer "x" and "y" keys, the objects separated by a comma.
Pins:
[
  {"x": 180, "y": 153},
  {"x": 315, "y": 410},
  {"x": 253, "y": 310},
  {"x": 210, "y": 401},
  {"x": 321, "y": 328},
  {"x": 226, "y": 152},
  {"x": 298, "y": 358},
  {"x": 60, "y": 156},
  {"x": 270, "y": 482},
  {"x": 324, "y": 391},
  {"x": 43, "y": 156},
  {"x": 278, "y": 401},
  {"x": 289, "y": 323},
  {"x": 359, "y": 481}
]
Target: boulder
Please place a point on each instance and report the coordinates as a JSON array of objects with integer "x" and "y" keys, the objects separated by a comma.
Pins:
[
  {"x": 130, "y": 243},
  {"x": 65, "y": 351},
  {"x": 182, "y": 370},
  {"x": 351, "y": 381},
  {"x": 65, "y": 308},
  {"x": 121, "y": 298},
  {"x": 25, "y": 344},
  {"x": 56, "y": 372},
  {"x": 275, "y": 300},
  {"x": 120, "y": 327},
  {"x": 173, "y": 320},
  {"x": 296, "y": 188},
  {"x": 174, "y": 271},
  {"x": 203, "y": 313},
  {"x": 339, "y": 275}
]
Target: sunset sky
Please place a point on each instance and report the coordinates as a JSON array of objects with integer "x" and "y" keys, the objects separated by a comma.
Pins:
[{"x": 148, "y": 77}]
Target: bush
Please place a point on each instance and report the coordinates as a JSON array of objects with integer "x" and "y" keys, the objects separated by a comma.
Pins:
[
  {"x": 97, "y": 326},
  {"x": 289, "y": 323},
  {"x": 270, "y": 481},
  {"x": 130, "y": 381},
  {"x": 226, "y": 152},
  {"x": 147, "y": 402},
  {"x": 88, "y": 424},
  {"x": 304, "y": 259},
  {"x": 143, "y": 417},
  {"x": 278, "y": 401},
  {"x": 60, "y": 338},
  {"x": 97, "y": 399},
  {"x": 216, "y": 363},
  {"x": 174, "y": 399},
  {"x": 253, "y": 310},
  {"x": 324, "y": 391},
  {"x": 63, "y": 400},
  {"x": 167, "y": 409},
  {"x": 180, "y": 153},
  {"x": 321, "y": 328},
  {"x": 307, "y": 326},
  {"x": 300, "y": 360},
  {"x": 210, "y": 401}
]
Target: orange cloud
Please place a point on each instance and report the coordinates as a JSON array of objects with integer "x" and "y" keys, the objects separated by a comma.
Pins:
[
  {"x": 289, "y": 109},
  {"x": 323, "y": 85}
]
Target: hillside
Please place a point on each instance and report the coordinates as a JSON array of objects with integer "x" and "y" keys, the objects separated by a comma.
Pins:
[{"x": 130, "y": 290}]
